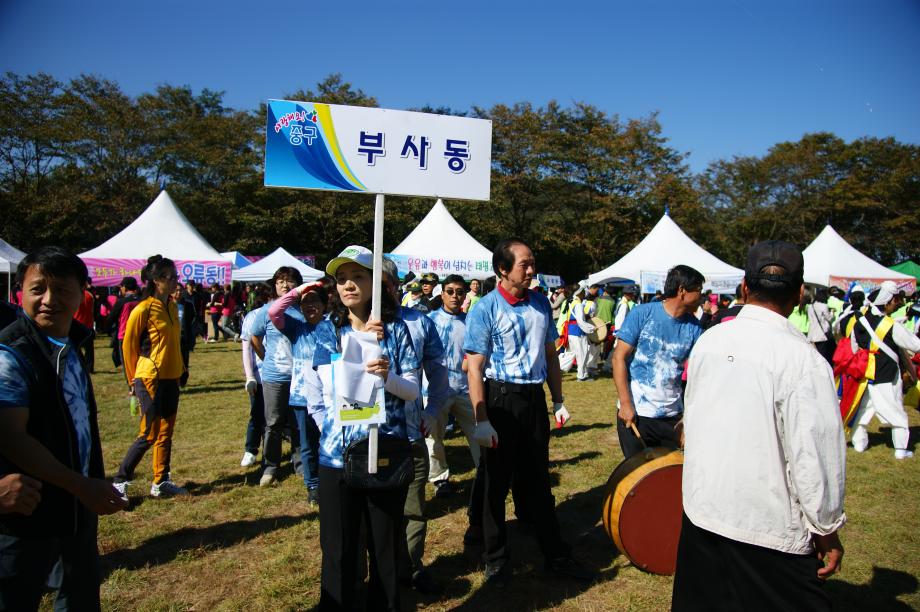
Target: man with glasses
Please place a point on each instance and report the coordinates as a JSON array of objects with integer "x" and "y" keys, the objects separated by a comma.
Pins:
[
  {"x": 450, "y": 322},
  {"x": 648, "y": 362}
]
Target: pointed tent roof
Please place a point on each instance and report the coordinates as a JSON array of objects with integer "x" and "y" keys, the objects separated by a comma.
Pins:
[
  {"x": 663, "y": 248},
  {"x": 9, "y": 257},
  {"x": 907, "y": 267},
  {"x": 439, "y": 236},
  {"x": 265, "y": 268},
  {"x": 162, "y": 228},
  {"x": 236, "y": 259},
  {"x": 830, "y": 255}
]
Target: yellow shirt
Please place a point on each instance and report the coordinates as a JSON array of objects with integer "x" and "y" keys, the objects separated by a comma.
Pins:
[{"x": 151, "y": 344}]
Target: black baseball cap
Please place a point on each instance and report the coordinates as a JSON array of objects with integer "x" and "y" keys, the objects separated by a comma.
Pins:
[{"x": 775, "y": 253}]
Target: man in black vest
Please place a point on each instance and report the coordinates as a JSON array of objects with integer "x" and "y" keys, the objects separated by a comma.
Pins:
[
  {"x": 883, "y": 398},
  {"x": 48, "y": 431}
]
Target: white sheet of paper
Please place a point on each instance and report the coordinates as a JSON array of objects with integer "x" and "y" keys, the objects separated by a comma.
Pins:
[{"x": 352, "y": 380}]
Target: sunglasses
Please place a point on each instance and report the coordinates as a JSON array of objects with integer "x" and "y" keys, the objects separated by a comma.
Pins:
[{"x": 459, "y": 292}]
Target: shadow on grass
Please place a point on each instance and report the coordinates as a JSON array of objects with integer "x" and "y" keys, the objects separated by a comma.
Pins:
[
  {"x": 165, "y": 548},
  {"x": 880, "y": 594},
  {"x": 573, "y": 460},
  {"x": 882, "y": 437},
  {"x": 209, "y": 387},
  {"x": 568, "y": 430},
  {"x": 531, "y": 587}
]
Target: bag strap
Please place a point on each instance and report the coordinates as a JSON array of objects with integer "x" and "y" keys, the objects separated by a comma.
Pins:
[{"x": 878, "y": 341}]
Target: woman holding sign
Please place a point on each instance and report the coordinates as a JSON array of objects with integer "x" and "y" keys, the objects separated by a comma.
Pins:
[{"x": 350, "y": 496}]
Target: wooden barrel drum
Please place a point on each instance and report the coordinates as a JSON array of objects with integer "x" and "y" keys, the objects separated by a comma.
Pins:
[{"x": 643, "y": 507}]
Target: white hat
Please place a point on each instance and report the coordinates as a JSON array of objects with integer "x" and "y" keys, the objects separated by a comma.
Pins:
[
  {"x": 886, "y": 292},
  {"x": 352, "y": 254}
]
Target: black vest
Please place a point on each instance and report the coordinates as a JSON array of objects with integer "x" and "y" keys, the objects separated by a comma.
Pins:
[
  {"x": 886, "y": 369},
  {"x": 59, "y": 513}
]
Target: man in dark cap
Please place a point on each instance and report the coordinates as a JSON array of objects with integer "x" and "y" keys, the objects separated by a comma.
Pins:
[
  {"x": 764, "y": 455},
  {"x": 431, "y": 302}
]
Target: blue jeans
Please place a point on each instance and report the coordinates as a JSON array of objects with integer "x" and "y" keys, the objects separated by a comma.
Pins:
[
  {"x": 25, "y": 565},
  {"x": 309, "y": 446}
]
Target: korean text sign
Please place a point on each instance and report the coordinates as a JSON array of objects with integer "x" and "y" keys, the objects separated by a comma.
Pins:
[{"x": 352, "y": 148}]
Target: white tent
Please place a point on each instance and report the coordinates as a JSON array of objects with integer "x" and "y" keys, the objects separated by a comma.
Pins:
[
  {"x": 439, "y": 244},
  {"x": 9, "y": 260},
  {"x": 265, "y": 268},
  {"x": 236, "y": 259},
  {"x": 663, "y": 248},
  {"x": 830, "y": 260},
  {"x": 161, "y": 229}
]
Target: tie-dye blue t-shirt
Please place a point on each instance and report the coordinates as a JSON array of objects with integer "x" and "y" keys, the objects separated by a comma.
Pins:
[
  {"x": 661, "y": 345},
  {"x": 14, "y": 390},
  {"x": 452, "y": 328}
]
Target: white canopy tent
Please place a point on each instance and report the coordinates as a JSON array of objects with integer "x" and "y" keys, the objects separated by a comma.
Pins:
[
  {"x": 663, "y": 248},
  {"x": 832, "y": 261},
  {"x": 10, "y": 257},
  {"x": 265, "y": 268},
  {"x": 236, "y": 259},
  {"x": 160, "y": 229},
  {"x": 439, "y": 244}
]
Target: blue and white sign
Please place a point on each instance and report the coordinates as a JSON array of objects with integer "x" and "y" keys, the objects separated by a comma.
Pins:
[{"x": 351, "y": 148}]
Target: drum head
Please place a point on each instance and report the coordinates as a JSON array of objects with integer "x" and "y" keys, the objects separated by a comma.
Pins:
[{"x": 650, "y": 520}]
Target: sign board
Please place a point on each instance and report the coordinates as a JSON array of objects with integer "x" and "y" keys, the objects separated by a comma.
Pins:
[
  {"x": 109, "y": 272},
  {"x": 442, "y": 266},
  {"x": 353, "y": 412},
  {"x": 310, "y": 145},
  {"x": 721, "y": 284},
  {"x": 907, "y": 285}
]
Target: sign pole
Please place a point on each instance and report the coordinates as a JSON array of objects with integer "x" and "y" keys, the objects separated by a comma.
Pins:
[{"x": 377, "y": 278}]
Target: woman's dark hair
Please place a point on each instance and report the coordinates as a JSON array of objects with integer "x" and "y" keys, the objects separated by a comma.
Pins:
[
  {"x": 129, "y": 283},
  {"x": 287, "y": 273},
  {"x": 488, "y": 285},
  {"x": 157, "y": 267},
  {"x": 263, "y": 294},
  {"x": 821, "y": 294},
  {"x": 54, "y": 262},
  {"x": 503, "y": 256},
  {"x": 856, "y": 299},
  {"x": 806, "y": 299},
  {"x": 682, "y": 276}
]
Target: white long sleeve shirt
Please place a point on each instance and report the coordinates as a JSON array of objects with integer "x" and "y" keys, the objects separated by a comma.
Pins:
[{"x": 765, "y": 453}]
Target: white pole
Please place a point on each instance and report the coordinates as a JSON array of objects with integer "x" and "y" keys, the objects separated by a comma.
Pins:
[{"x": 376, "y": 277}]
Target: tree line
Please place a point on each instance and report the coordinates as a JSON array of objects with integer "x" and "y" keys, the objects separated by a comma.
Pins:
[{"x": 80, "y": 160}]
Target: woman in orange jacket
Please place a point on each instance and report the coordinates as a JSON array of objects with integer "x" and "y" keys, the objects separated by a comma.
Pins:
[{"x": 154, "y": 367}]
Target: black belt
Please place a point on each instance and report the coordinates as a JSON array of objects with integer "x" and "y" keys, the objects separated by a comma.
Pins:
[{"x": 505, "y": 387}]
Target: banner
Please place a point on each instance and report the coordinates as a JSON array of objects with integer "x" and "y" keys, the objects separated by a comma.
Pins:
[
  {"x": 907, "y": 285},
  {"x": 650, "y": 282},
  {"x": 109, "y": 272},
  {"x": 351, "y": 148},
  {"x": 467, "y": 268},
  {"x": 548, "y": 280}
]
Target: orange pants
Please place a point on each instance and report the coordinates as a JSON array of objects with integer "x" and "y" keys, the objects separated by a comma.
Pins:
[{"x": 159, "y": 403}]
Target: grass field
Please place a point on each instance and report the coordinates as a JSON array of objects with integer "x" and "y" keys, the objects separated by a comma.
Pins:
[{"x": 233, "y": 546}]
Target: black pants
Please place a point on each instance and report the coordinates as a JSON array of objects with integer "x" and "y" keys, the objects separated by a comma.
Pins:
[
  {"x": 655, "y": 432},
  {"x": 716, "y": 573},
  {"x": 116, "y": 348},
  {"x": 89, "y": 353},
  {"x": 26, "y": 563},
  {"x": 341, "y": 513},
  {"x": 520, "y": 418}
]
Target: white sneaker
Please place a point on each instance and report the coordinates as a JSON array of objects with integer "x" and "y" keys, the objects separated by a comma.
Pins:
[
  {"x": 167, "y": 488},
  {"x": 248, "y": 459},
  {"x": 903, "y": 454},
  {"x": 122, "y": 488},
  {"x": 267, "y": 480}
]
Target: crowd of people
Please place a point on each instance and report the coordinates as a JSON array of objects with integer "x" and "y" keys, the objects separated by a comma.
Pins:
[{"x": 478, "y": 354}]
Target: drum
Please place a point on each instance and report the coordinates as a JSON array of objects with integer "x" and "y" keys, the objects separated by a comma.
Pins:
[
  {"x": 643, "y": 508},
  {"x": 600, "y": 331}
]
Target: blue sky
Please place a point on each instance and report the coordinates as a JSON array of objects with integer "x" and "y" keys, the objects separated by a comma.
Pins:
[{"x": 727, "y": 78}]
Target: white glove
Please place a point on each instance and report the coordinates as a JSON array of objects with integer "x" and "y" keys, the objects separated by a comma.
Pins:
[
  {"x": 561, "y": 414},
  {"x": 308, "y": 287},
  {"x": 318, "y": 418},
  {"x": 427, "y": 424},
  {"x": 251, "y": 386},
  {"x": 485, "y": 434}
]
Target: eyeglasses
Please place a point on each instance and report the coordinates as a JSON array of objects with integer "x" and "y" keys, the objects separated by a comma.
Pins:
[{"x": 459, "y": 292}]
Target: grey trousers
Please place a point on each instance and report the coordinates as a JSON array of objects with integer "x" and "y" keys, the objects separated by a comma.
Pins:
[
  {"x": 279, "y": 416},
  {"x": 415, "y": 523}
]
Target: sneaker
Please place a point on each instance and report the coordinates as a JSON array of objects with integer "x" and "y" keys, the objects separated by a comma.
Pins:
[
  {"x": 248, "y": 459},
  {"x": 122, "y": 488},
  {"x": 497, "y": 575},
  {"x": 903, "y": 454},
  {"x": 567, "y": 566},
  {"x": 313, "y": 496},
  {"x": 267, "y": 480},
  {"x": 167, "y": 488},
  {"x": 443, "y": 489},
  {"x": 423, "y": 583}
]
